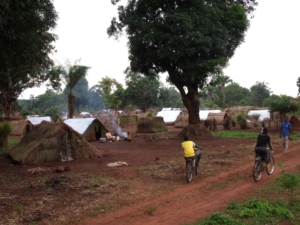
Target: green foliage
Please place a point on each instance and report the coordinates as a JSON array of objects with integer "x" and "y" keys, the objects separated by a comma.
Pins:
[
  {"x": 258, "y": 93},
  {"x": 191, "y": 43},
  {"x": 218, "y": 218},
  {"x": 289, "y": 181},
  {"x": 24, "y": 47},
  {"x": 235, "y": 94},
  {"x": 240, "y": 118},
  {"x": 111, "y": 90},
  {"x": 142, "y": 91},
  {"x": 283, "y": 104},
  {"x": 5, "y": 130}
]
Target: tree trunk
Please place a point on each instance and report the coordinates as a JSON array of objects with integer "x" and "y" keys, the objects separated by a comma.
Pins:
[
  {"x": 191, "y": 102},
  {"x": 71, "y": 100},
  {"x": 7, "y": 110}
]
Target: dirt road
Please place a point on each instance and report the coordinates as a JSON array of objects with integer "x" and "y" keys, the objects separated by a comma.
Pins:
[{"x": 197, "y": 200}]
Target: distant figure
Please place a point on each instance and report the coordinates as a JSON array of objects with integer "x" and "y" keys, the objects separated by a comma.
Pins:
[{"x": 285, "y": 131}]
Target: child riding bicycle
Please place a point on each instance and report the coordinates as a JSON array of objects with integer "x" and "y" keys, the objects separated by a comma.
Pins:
[
  {"x": 261, "y": 148},
  {"x": 189, "y": 149}
]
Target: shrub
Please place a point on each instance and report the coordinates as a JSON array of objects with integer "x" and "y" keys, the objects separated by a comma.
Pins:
[{"x": 5, "y": 130}]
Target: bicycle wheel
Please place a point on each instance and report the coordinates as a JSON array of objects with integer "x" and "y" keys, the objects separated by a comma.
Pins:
[
  {"x": 257, "y": 170},
  {"x": 189, "y": 171},
  {"x": 270, "y": 166}
]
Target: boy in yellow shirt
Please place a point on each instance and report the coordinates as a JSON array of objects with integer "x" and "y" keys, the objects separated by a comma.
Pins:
[{"x": 188, "y": 149}]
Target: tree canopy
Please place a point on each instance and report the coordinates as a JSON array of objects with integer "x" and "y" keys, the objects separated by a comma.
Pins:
[
  {"x": 190, "y": 40},
  {"x": 25, "y": 45}
]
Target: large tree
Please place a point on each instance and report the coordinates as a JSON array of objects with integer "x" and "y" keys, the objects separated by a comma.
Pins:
[
  {"x": 142, "y": 91},
  {"x": 258, "y": 93},
  {"x": 187, "y": 39},
  {"x": 25, "y": 43}
]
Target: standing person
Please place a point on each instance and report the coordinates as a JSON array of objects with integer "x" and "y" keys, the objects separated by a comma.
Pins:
[
  {"x": 261, "y": 148},
  {"x": 285, "y": 131},
  {"x": 188, "y": 149}
]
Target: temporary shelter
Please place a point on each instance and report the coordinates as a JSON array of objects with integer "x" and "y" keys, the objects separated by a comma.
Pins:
[
  {"x": 48, "y": 142},
  {"x": 20, "y": 127},
  {"x": 169, "y": 116},
  {"x": 203, "y": 114},
  {"x": 90, "y": 128},
  {"x": 151, "y": 125},
  {"x": 38, "y": 120},
  {"x": 263, "y": 114},
  {"x": 218, "y": 116}
]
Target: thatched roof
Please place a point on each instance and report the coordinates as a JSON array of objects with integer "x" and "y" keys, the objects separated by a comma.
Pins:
[
  {"x": 151, "y": 125},
  {"x": 20, "y": 127},
  {"x": 49, "y": 142}
]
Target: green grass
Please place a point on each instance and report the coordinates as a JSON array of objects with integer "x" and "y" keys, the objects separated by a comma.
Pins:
[
  {"x": 235, "y": 134},
  {"x": 264, "y": 208}
]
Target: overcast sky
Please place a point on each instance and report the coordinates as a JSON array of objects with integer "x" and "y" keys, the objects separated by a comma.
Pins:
[{"x": 270, "y": 52}]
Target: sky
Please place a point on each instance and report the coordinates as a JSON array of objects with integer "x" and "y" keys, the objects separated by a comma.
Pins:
[{"x": 269, "y": 53}]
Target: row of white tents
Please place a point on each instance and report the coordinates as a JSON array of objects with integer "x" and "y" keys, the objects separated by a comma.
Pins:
[{"x": 170, "y": 115}]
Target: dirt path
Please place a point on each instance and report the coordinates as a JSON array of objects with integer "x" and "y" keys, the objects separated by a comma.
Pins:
[{"x": 199, "y": 199}]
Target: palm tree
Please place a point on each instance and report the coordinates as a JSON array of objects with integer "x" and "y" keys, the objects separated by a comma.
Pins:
[
  {"x": 223, "y": 81},
  {"x": 210, "y": 92},
  {"x": 69, "y": 75}
]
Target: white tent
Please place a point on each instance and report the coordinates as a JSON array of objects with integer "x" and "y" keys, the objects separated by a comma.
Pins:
[
  {"x": 204, "y": 113},
  {"x": 38, "y": 120},
  {"x": 169, "y": 116},
  {"x": 263, "y": 114},
  {"x": 79, "y": 124}
]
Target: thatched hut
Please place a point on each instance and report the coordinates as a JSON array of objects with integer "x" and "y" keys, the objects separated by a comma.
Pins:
[
  {"x": 151, "y": 125},
  {"x": 90, "y": 128},
  {"x": 219, "y": 117},
  {"x": 49, "y": 142},
  {"x": 182, "y": 120},
  {"x": 20, "y": 127}
]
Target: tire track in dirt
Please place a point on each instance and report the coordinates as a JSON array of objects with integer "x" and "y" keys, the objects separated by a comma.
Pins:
[{"x": 195, "y": 201}]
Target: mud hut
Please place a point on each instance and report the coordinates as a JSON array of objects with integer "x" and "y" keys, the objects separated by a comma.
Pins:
[
  {"x": 50, "y": 142},
  {"x": 218, "y": 116},
  {"x": 151, "y": 125},
  {"x": 20, "y": 127},
  {"x": 295, "y": 122},
  {"x": 90, "y": 128},
  {"x": 182, "y": 120}
]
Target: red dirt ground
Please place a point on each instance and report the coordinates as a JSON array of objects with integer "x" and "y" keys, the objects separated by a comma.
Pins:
[{"x": 154, "y": 180}]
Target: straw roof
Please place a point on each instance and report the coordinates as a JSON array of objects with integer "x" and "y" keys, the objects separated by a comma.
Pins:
[
  {"x": 49, "y": 142},
  {"x": 20, "y": 127},
  {"x": 151, "y": 125}
]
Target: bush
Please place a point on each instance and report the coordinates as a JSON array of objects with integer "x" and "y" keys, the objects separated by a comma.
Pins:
[{"x": 5, "y": 130}]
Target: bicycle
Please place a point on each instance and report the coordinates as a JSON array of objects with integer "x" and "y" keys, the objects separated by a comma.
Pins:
[
  {"x": 192, "y": 164},
  {"x": 260, "y": 165}
]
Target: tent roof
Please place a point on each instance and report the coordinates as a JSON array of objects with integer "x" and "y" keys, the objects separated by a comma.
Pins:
[
  {"x": 38, "y": 120},
  {"x": 263, "y": 114},
  {"x": 204, "y": 113},
  {"x": 169, "y": 116},
  {"x": 80, "y": 124}
]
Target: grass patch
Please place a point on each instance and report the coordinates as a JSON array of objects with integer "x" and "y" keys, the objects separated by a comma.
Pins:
[
  {"x": 265, "y": 208},
  {"x": 236, "y": 134}
]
